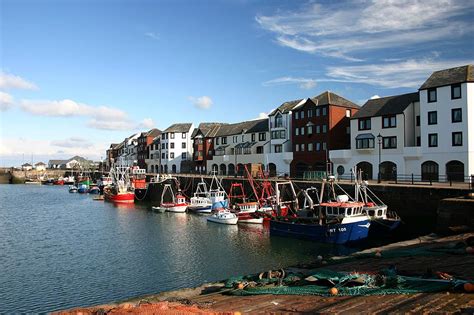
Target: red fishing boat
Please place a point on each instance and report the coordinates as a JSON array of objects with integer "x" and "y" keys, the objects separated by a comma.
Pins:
[{"x": 120, "y": 191}]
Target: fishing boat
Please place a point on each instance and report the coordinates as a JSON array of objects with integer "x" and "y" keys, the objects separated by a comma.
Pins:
[
  {"x": 383, "y": 221},
  {"x": 217, "y": 194},
  {"x": 69, "y": 180},
  {"x": 158, "y": 209},
  {"x": 72, "y": 189},
  {"x": 59, "y": 182},
  {"x": 177, "y": 203},
  {"x": 104, "y": 181},
  {"x": 120, "y": 191},
  {"x": 337, "y": 220},
  {"x": 201, "y": 201},
  {"x": 94, "y": 190},
  {"x": 223, "y": 217},
  {"x": 83, "y": 188},
  {"x": 248, "y": 212}
]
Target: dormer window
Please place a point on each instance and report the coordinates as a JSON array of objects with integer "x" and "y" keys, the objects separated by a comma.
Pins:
[
  {"x": 278, "y": 120},
  {"x": 432, "y": 97}
]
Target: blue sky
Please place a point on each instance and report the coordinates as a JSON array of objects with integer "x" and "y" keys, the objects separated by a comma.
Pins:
[{"x": 78, "y": 75}]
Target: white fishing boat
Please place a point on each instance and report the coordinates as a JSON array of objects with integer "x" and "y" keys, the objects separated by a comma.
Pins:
[
  {"x": 72, "y": 189},
  {"x": 248, "y": 212},
  {"x": 223, "y": 217},
  {"x": 201, "y": 201},
  {"x": 217, "y": 194},
  {"x": 177, "y": 203},
  {"x": 158, "y": 209}
]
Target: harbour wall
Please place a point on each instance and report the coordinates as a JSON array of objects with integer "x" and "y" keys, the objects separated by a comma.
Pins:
[
  {"x": 416, "y": 205},
  {"x": 14, "y": 176}
]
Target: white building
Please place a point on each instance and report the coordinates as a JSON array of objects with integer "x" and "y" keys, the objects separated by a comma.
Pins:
[
  {"x": 386, "y": 128},
  {"x": 40, "y": 166},
  {"x": 128, "y": 152},
  {"x": 238, "y": 144},
  {"x": 26, "y": 167},
  {"x": 176, "y": 148},
  {"x": 280, "y": 152},
  {"x": 428, "y": 134},
  {"x": 153, "y": 161}
]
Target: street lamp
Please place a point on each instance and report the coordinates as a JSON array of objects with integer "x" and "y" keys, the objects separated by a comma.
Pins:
[{"x": 379, "y": 139}]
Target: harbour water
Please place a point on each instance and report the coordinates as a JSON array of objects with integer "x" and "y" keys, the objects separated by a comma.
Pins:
[{"x": 60, "y": 250}]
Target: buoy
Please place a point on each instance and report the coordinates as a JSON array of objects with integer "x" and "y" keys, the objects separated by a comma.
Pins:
[
  {"x": 333, "y": 291},
  {"x": 468, "y": 287},
  {"x": 469, "y": 250}
]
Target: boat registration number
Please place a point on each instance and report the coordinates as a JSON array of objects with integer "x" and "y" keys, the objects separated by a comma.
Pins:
[{"x": 341, "y": 229}]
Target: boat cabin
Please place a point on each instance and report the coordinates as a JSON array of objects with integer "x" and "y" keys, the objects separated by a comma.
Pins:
[
  {"x": 180, "y": 199},
  {"x": 343, "y": 209},
  {"x": 248, "y": 206}
]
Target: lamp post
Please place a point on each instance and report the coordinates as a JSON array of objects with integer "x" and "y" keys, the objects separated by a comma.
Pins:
[{"x": 379, "y": 139}]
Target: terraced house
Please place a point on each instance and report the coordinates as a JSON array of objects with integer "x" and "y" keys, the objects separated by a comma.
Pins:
[
  {"x": 203, "y": 145},
  {"x": 176, "y": 148}
]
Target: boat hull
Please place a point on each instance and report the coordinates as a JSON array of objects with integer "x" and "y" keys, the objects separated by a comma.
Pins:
[
  {"x": 128, "y": 197},
  {"x": 158, "y": 209},
  {"x": 330, "y": 233},
  {"x": 252, "y": 218},
  {"x": 231, "y": 221},
  {"x": 175, "y": 208},
  {"x": 382, "y": 227},
  {"x": 200, "y": 209}
]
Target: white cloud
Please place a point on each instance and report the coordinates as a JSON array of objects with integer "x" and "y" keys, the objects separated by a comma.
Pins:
[
  {"x": 202, "y": 102},
  {"x": 146, "y": 123},
  {"x": 152, "y": 35},
  {"x": 72, "y": 142},
  {"x": 410, "y": 73},
  {"x": 10, "y": 81},
  {"x": 339, "y": 29},
  {"x": 304, "y": 83},
  {"x": 6, "y": 101}
]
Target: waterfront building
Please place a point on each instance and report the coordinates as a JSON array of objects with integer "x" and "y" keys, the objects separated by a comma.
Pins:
[
  {"x": 387, "y": 128},
  {"x": 176, "y": 148},
  {"x": 111, "y": 155},
  {"x": 76, "y": 162},
  {"x": 238, "y": 144},
  {"x": 128, "y": 152},
  {"x": 319, "y": 124},
  {"x": 427, "y": 134},
  {"x": 153, "y": 161},
  {"x": 40, "y": 166},
  {"x": 203, "y": 145},
  {"x": 143, "y": 142},
  {"x": 26, "y": 167},
  {"x": 280, "y": 153}
]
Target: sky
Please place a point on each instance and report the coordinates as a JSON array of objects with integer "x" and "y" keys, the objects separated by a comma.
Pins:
[{"x": 77, "y": 75}]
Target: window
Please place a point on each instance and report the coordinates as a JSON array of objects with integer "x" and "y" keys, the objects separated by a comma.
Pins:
[
  {"x": 302, "y": 131},
  {"x": 224, "y": 140},
  {"x": 418, "y": 141},
  {"x": 324, "y": 111},
  {"x": 297, "y": 131},
  {"x": 183, "y": 156},
  {"x": 217, "y": 141},
  {"x": 455, "y": 91},
  {"x": 262, "y": 136},
  {"x": 310, "y": 113},
  {"x": 167, "y": 146},
  {"x": 297, "y": 115},
  {"x": 318, "y": 112},
  {"x": 365, "y": 141},
  {"x": 325, "y": 128},
  {"x": 297, "y": 147},
  {"x": 163, "y": 156},
  {"x": 310, "y": 147},
  {"x": 418, "y": 120},
  {"x": 364, "y": 123},
  {"x": 318, "y": 129},
  {"x": 253, "y": 137},
  {"x": 302, "y": 114},
  {"x": 432, "y": 95},
  {"x": 310, "y": 130},
  {"x": 302, "y": 147},
  {"x": 172, "y": 145},
  {"x": 432, "y": 139},
  {"x": 172, "y": 155},
  {"x": 318, "y": 146},
  {"x": 456, "y": 115},
  {"x": 457, "y": 139},
  {"x": 389, "y": 121},
  {"x": 278, "y": 121},
  {"x": 340, "y": 170},
  {"x": 163, "y": 136},
  {"x": 389, "y": 142},
  {"x": 324, "y": 146},
  {"x": 278, "y": 148},
  {"x": 183, "y": 135},
  {"x": 348, "y": 113},
  {"x": 432, "y": 118},
  {"x": 259, "y": 149},
  {"x": 171, "y": 135},
  {"x": 183, "y": 145},
  {"x": 162, "y": 146}
]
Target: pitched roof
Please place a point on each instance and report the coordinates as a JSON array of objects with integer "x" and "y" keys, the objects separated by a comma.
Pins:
[
  {"x": 40, "y": 163},
  {"x": 395, "y": 104},
  {"x": 184, "y": 127},
  {"x": 449, "y": 76},
  {"x": 251, "y": 126},
  {"x": 325, "y": 98},
  {"x": 208, "y": 129},
  {"x": 27, "y": 164},
  {"x": 329, "y": 98},
  {"x": 57, "y": 162}
]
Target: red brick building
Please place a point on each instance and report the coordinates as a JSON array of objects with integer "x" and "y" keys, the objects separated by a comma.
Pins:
[
  {"x": 319, "y": 124},
  {"x": 203, "y": 145},
  {"x": 145, "y": 139}
]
